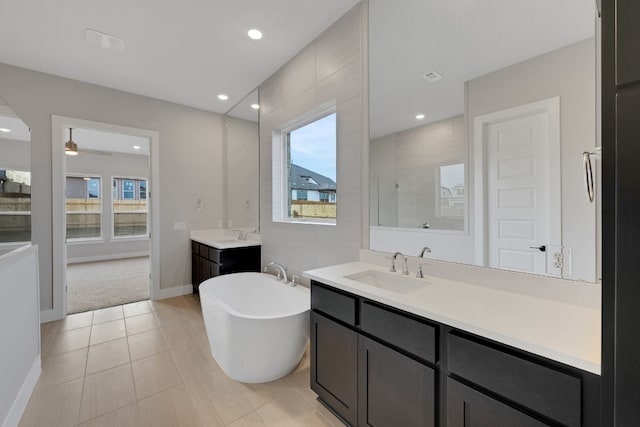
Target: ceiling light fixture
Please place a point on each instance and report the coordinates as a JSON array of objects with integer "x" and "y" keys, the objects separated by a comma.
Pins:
[
  {"x": 223, "y": 97},
  {"x": 420, "y": 116},
  {"x": 5, "y": 130},
  {"x": 136, "y": 147},
  {"x": 70, "y": 147},
  {"x": 255, "y": 106},
  {"x": 254, "y": 34},
  {"x": 104, "y": 41}
]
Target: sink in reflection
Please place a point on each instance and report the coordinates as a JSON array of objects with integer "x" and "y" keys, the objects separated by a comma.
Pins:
[{"x": 389, "y": 281}]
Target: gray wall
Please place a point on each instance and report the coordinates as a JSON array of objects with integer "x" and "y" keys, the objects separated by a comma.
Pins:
[
  {"x": 15, "y": 154},
  {"x": 333, "y": 66},
  {"x": 106, "y": 167},
  {"x": 570, "y": 73},
  {"x": 241, "y": 142},
  {"x": 190, "y": 159}
]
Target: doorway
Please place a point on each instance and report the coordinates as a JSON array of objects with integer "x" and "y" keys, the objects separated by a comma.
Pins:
[{"x": 105, "y": 218}]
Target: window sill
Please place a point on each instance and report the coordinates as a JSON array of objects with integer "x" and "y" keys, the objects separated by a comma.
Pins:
[
  {"x": 129, "y": 238},
  {"x": 332, "y": 222},
  {"x": 86, "y": 240}
]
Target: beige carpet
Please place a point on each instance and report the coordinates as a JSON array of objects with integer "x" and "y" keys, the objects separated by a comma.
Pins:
[{"x": 93, "y": 285}]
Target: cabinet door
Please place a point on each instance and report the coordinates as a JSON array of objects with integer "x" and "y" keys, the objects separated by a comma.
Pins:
[
  {"x": 467, "y": 407},
  {"x": 196, "y": 274},
  {"x": 394, "y": 390},
  {"x": 334, "y": 353}
]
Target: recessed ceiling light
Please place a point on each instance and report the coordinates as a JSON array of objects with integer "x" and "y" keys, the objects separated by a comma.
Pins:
[
  {"x": 420, "y": 116},
  {"x": 136, "y": 147},
  {"x": 223, "y": 97},
  {"x": 5, "y": 130},
  {"x": 254, "y": 34},
  {"x": 255, "y": 106}
]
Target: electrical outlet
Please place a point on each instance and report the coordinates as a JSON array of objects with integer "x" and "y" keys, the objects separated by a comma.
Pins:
[
  {"x": 558, "y": 260},
  {"x": 179, "y": 226},
  {"x": 219, "y": 223},
  {"x": 229, "y": 224}
]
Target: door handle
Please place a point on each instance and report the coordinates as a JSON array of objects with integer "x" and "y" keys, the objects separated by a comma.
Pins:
[{"x": 542, "y": 248}]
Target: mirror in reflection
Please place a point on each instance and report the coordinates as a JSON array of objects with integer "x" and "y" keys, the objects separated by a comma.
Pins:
[
  {"x": 15, "y": 179},
  {"x": 242, "y": 152},
  {"x": 478, "y": 127}
]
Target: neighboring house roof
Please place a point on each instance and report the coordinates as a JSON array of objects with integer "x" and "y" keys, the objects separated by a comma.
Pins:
[
  {"x": 304, "y": 179},
  {"x": 3, "y": 175}
]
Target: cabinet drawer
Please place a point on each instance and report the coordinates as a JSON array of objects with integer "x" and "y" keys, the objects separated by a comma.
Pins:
[
  {"x": 542, "y": 389},
  {"x": 335, "y": 304},
  {"x": 402, "y": 331},
  {"x": 195, "y": 247}
]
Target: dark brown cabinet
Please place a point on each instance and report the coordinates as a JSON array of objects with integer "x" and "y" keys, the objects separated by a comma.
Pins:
[
  {"x": 394, "y": 390},
  {"x": 208, "y": 262},
  {"x": 378, "y": 366},
  {"x": 467, "y": 407},
  {"x": 334, "y": 350}
]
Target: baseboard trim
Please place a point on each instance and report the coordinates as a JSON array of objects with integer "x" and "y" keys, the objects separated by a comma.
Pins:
[
  {"x": 49, "y": 315},
  {"x": 22, "y": 399},
  {"x": 175, "y": 291},
  {"x": 107, "y": 257}
]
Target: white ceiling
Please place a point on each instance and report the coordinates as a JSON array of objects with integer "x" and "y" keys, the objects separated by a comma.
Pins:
[
  {"x": 95, "y": 140},
  {"x": 19, "y": 130},
  {"x": 180, "y": 51},
  {"x": 461, "y": 40}
]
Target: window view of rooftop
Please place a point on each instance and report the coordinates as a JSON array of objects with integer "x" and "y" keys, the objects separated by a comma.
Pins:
[{"x": 15, "y": 206}]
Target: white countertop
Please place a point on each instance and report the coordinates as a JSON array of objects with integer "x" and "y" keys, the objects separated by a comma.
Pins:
[
  {"x": 221, "y": 239},
  {"x": 557, "y": 330}
]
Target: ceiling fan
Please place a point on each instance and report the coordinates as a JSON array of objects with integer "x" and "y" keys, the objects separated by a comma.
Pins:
[{"x": 71, "y": 148}]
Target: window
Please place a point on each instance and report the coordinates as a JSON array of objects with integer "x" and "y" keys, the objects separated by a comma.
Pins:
[
  {"x": 451, "y": 200},
  {"x": 127, "y": 190},
  {"x": 15, "y": 206},
  {"x": 130, "y": 209},
  {"x": 306, "y": 189},
  {"x": 83, "y": 206}
]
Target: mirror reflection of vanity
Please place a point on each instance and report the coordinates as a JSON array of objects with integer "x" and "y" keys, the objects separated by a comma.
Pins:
[
  {"x": 477, "y": 131},
  {"x": 242, "y": 155},
  {"x": 15, "y": 180}
]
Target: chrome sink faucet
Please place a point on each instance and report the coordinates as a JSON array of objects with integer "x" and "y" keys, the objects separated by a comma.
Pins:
[
  {"x": 405, "y": 266},
  {"x": 426, "y": 249},
  {"x": 281, "y": 271}
]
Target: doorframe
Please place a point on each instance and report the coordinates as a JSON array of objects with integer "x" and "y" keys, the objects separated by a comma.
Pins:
[
  {"x": 59, "y": 166},
  {"x": 551, "y": 106}
]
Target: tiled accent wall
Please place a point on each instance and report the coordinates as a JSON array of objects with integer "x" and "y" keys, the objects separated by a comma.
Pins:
[
  {"x": 412, "y": 159},
  {"x": 333, "y": 66}
]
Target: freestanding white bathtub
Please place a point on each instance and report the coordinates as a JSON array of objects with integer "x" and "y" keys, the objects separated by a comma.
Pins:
[{"x": 258, "y": 327}]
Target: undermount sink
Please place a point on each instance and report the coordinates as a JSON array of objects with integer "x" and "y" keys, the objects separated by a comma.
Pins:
[{"x": 394, "y": 282}]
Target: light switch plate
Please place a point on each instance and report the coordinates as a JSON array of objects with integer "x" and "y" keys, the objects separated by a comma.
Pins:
[{"x": 179, "y": 226}]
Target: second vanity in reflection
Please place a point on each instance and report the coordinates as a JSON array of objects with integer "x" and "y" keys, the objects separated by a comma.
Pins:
[{"x": 466, "y": 350}]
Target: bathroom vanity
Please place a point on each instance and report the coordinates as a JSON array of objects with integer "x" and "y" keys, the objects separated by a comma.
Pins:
[
  {"x": 217, "y": 255},
  {"x": 380, "y": 357}
]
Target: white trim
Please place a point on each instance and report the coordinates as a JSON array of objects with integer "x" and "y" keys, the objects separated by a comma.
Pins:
[
  {"x": 58, "y": 124},
  {"x": 80, "y": 260},
  {"x": 84, "y": 240},
  {"x": 174, "y": 291},
  {"x": 551, "y": 106},
  {"x": 22, "y": 399}
]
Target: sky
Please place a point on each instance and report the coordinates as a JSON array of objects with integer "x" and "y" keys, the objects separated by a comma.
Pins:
[{"x": 314, "y": 146}]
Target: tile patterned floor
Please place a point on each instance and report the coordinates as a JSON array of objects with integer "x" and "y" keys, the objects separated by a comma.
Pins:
[{"x": 148, "y": 364}]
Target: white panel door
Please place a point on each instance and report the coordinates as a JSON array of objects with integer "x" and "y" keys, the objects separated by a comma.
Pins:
[{"x": 522, "y": 190}]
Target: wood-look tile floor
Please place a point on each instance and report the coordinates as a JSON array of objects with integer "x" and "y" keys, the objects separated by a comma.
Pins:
[{"x": 148, "y": 364}]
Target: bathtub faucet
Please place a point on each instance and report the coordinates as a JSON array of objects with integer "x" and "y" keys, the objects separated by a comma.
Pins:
[{"x": 281, "y": 270}]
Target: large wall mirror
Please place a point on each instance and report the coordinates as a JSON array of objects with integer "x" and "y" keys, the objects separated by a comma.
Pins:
[
  {"x": 15, "y": 180},
  {"x": 480, "y": 115},
  {"x": 243, "y": 157}
]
